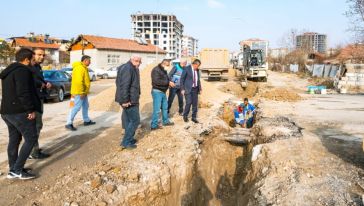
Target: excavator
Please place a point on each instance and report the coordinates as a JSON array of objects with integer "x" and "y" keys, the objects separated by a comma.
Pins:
[{"x": 252, "y": 64}]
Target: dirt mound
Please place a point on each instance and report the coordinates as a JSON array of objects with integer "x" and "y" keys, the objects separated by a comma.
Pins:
[
  {"x": 105, "y": 101},
  {"x": 236, "y": 89},
  {"x": 280, "y": 94}
]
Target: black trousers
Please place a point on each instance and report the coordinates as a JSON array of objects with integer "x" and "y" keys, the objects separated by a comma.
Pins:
[
  {"x": 191, "y": 99},
  {"x": 19, "y": 126},
  {"x": 172, "y": 93}
]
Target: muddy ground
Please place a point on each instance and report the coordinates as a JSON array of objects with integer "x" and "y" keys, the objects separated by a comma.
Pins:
[{"x": 303, "y": 150}]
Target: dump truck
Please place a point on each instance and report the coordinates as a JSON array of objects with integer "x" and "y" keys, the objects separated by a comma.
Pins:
[
  {"x": 252, "y": 63},
  {"x": 214, "y": 64}
]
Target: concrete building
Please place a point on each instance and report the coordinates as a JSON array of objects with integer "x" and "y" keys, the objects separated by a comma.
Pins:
[
  {"x": 189, "y": 46},
  {"x": 108, "y": 52},
  {"x": 162, "y": 30},
  {"x": 312, "y": 42}
]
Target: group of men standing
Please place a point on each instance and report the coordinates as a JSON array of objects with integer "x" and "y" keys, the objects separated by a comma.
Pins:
[
  {"x": 182, "y": 81},
  {"x": 23, "y": 92}
]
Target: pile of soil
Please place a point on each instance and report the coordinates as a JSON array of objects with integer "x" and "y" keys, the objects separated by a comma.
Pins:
[
  {"x": 236, "y": 89},
  {"x": 280, "y": 94},
  {"x": 105, "y": 101}
]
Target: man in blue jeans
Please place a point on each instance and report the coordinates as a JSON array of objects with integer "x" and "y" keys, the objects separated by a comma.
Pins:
[
  {"x": 127, "y": 95},
  {"x": 19, "y": 104},
  {"x": 175, "y": 77},
  {"x": 160, "y": 84},
  {"x": 80, "y": 88}
]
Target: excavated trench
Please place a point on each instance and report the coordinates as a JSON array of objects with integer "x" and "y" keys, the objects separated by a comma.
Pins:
[{"x": 224, "y": 175}]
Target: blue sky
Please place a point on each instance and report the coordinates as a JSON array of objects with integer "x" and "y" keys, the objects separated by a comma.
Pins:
[{"x": 216, "y": 23}]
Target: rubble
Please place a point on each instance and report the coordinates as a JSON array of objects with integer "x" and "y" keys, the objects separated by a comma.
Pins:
[
  {"x": 96, "y": 182},
  {"x": 270, "y": 129}
]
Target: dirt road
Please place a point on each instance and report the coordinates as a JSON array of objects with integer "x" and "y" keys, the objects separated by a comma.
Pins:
[{"x": 311, "y": 155}]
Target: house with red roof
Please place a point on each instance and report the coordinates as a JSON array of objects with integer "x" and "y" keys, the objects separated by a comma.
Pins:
[
  {"x": 55, "y": 48},
  {"x": 106, "y": 52}
]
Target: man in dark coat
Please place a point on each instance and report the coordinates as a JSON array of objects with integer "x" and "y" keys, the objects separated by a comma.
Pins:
[
  {"x": 42, "y": 87},
  {"x": 19, "y": 104},
  {"x": 191, "y": 88},
  {"x": 127, "y": 95}
]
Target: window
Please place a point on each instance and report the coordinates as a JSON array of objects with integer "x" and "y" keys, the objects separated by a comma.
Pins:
[
  {"x": 164, "y": 42},
  {"x": 113, "y": 59}
]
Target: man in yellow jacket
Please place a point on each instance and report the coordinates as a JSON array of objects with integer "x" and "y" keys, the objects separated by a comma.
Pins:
[{"x": 80, "y": 88}]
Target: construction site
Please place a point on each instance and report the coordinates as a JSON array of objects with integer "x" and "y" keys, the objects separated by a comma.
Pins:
[
  {"x": 304, "y": 145},
  {"x": 304, "y": 149}
]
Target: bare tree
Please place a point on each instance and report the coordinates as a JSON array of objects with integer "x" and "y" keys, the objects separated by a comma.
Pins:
[
  {"x": 356, "y": 14},
  {"x": 288, "y": 40},
  {"x": 7, "y": 53}
]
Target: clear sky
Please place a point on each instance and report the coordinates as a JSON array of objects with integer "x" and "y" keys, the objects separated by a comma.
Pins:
[{"x": 216, "y": 23}]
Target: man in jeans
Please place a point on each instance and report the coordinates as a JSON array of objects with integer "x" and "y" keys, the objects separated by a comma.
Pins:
[
  {"x": 127, "y": 95},
  {"x": 41, "y": 86},
  {"x": 175, "y": 77},
  {"x": 80, "y": 88},
  {"x": 19, "y": 104},
  {"x": 160, "y": 84}
]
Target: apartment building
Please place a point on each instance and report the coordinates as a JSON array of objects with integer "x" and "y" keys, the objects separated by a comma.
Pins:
[
  {"x": 161, "y": 30},
  {"x": 312, "y": 42},
  {"x": 189, "y": 46}
]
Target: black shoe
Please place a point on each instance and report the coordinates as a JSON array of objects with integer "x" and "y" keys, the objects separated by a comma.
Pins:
[
  {"x": 39, "y": 155},
  {"x": 71, "y": 127},
  {"x": 89, "y": 123},
  {"x": 180, "y": 113},
  {"x": 195, "y": 121},
  {"x": 155, "y": 128},
  {"x": 133, "y": 141},
  {"x": 130, "y": 146},
  {"x": 169, "y": 124},
  {"x": 11, "y": 175},
  {"x": 185, "y": 119},
  {"x": 23, "y": 175}
]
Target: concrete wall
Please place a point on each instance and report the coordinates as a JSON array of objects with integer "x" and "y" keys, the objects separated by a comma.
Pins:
[{"x": 99, "y": 58}]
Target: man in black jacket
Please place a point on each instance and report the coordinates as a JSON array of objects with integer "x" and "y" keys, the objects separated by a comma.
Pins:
[
  {"x": 127, "y": 95},
  {"x": 160, "y": 84},
  {"x": 19, "y": 103},
  {"x": 42, "y": 87}
]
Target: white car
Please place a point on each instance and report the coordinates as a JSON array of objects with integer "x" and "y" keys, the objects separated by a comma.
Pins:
[
  {"x": 91, "y": 73},
  {"x": 106, "y": 74}
]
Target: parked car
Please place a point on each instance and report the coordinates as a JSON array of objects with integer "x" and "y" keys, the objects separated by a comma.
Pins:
[
  {"x": 61, "y": 84},
  {"x": 91, "y": 73},
  {"x": 109, "y": 73}
]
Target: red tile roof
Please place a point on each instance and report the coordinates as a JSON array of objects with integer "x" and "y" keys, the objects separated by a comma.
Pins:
[
  {"x": 121, "y": 44},
  {"x": 352, "y": 52},
  {"x": 24, "y": 42}
]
